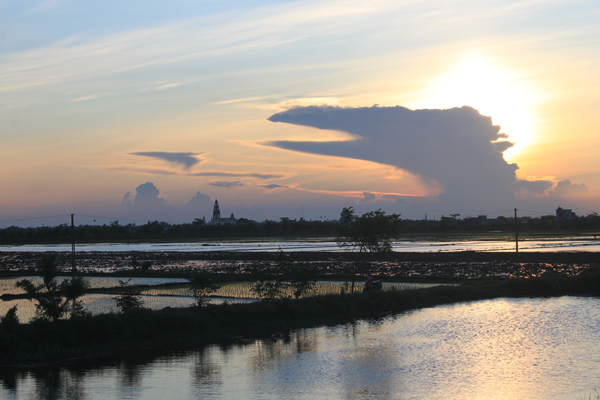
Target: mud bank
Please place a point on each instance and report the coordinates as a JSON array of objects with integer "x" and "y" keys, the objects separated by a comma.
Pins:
[{"x": 395, "y": 265}]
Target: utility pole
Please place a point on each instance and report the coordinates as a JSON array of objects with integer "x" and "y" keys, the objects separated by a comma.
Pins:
[
  {"x": 73, "y": 267},
  {"x": 516, "y": 231}
]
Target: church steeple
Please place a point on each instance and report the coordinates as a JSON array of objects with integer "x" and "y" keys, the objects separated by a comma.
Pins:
[{"x": 216, "y": 212}]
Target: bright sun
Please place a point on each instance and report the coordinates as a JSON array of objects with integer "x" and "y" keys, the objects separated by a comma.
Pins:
[{"x": 500, "y": 93}]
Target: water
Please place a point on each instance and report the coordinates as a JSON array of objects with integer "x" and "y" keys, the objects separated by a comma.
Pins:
[
  {"x": 553, "y": 244},
  {"x": 498, "y": 349}
]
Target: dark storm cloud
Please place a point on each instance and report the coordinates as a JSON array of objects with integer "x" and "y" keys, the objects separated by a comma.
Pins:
[
  {"x": 185, "y": 160},
  {"x": 566, "y": 188},
  {"x": 227, "y": 184},
  {"x": 459, "y": 148}
]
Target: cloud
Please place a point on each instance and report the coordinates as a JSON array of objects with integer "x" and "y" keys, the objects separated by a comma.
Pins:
[
  {"x": 227, "y": 184},
  {"x": 566, "y": 188},
  {"x": 276, "y": 186},
  {"x": 368, "y": 198},
  {"x": 167, "y": 86},
  {"x": 159, "y": 171},
  {"x": 199, "y": 200},
  {"x": 526, "y": 189},
  {"x": 147, "y": 196},
  {"x": 458, "y": 148},
  {"x": 258, "y": 175},
  {"x": 186, "y": 160},
  {"x": 126, "y": 200},
  {"x": 212, "y": 35}
]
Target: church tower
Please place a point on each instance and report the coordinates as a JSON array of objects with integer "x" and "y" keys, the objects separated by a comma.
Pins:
[{"x": 216, "y": 212}]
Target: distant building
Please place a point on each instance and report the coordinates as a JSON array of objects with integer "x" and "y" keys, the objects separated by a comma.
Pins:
[
  {"x": 563, "y": 215},
  {"x": 216, "y": 218}
]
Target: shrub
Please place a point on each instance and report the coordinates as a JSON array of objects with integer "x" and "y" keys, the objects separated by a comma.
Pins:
[
  {"x": 129, "y": 300},
  {"x": 54, "y": 300},
  {"x": 202, "y": 287},
  {"x": 10, "y": 320}
]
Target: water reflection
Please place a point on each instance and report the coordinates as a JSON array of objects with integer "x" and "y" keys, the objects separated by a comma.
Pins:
[
  {"x": 206, "y": 371},
  {"x": 499, "y": 349},
  {"x": 48, "y": 383}
]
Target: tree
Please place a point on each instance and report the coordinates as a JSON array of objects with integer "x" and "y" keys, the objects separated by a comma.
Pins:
[
  {"x": 301, "y": 278},
  {"x": 268, "y": 281},
  {"x": 202, "y": 287},
  {"x": 54, "y": 299},
  {"x": 372, "y": 232},
  {"x": 274, "y": 281},
  {"x": 10, "y": 320},
  {"x": 129, "y": 300}
]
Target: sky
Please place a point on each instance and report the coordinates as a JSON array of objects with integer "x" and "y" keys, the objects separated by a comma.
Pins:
[{"x": 151, "y": 110}]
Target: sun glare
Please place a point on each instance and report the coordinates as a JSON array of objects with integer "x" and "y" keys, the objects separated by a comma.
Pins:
[{"x": 494, "y": 91}]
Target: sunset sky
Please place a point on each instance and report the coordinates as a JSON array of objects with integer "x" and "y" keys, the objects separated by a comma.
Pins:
[{"x": 138, "y": 110}]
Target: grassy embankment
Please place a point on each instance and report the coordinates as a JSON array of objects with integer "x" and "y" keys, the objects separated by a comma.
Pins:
[{"x": 113, "y": 334}]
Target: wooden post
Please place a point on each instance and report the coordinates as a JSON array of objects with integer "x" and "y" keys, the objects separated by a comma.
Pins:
[
  {"x": 516, "y": 232},
  {"x": 73, "y": 267}
]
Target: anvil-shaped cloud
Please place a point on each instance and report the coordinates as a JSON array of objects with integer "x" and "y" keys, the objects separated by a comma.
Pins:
[{"x": 459, "y": 148}]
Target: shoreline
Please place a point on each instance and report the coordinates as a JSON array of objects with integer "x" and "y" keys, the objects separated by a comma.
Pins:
[{"x": 43, "y": 343}]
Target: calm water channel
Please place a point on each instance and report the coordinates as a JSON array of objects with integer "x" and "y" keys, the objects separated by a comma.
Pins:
[
  {"x": 591, "y": 243},
  {"x": 498, "y": 349}
]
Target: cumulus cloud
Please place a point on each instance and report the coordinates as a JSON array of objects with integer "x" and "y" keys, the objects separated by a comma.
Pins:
[
  {"x": 200, "y": 200},
  {"x": 566, "y": 188},
  {"x": 458, "y": 148},
  {"x": 227, "y": 184},
  {"x": 147, "y": 196},
  {"x": 526, "y": 189},
  {"x": 184, "y": 160},
  {"x": 126, "y": 200},
  {"x": 368, "y": 197}
]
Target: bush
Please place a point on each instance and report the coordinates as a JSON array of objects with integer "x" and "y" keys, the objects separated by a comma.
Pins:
[
  {"x": 129, "y": 300},
  {"x": 10, "y": 321},
  {"x": 54, "y": 300},
  {"x": 201, "y": 286}
]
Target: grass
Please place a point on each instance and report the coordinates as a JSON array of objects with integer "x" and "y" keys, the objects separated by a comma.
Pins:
[
  {"x": 243, "y": 290},
  {"x": 113, "y": 334}
]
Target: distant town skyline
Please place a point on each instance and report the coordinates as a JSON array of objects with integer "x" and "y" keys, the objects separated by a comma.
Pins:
[{"x": 150, "y": 111}]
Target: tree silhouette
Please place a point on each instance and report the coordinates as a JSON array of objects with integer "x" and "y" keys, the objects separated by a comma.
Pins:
[
  {"x": 54, "y": 299},
  {"x": 372, "y": 232}
]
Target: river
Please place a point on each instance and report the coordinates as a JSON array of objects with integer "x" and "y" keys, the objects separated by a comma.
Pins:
[{"x": 495, "y": 349}]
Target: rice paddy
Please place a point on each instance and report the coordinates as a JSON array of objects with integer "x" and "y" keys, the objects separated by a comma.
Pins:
[
  {"x": 243, "y": 290},
  {"x": 173, "y": 296}
]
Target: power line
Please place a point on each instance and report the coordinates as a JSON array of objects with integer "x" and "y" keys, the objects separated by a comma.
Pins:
[
  {"x": 498, "y": 212},
  {"x": 101, "y": 217},
  {"x": 537, "y": 212},
  {"x": 32, "y": 218},
  {"x": 7, "y": 221}
]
